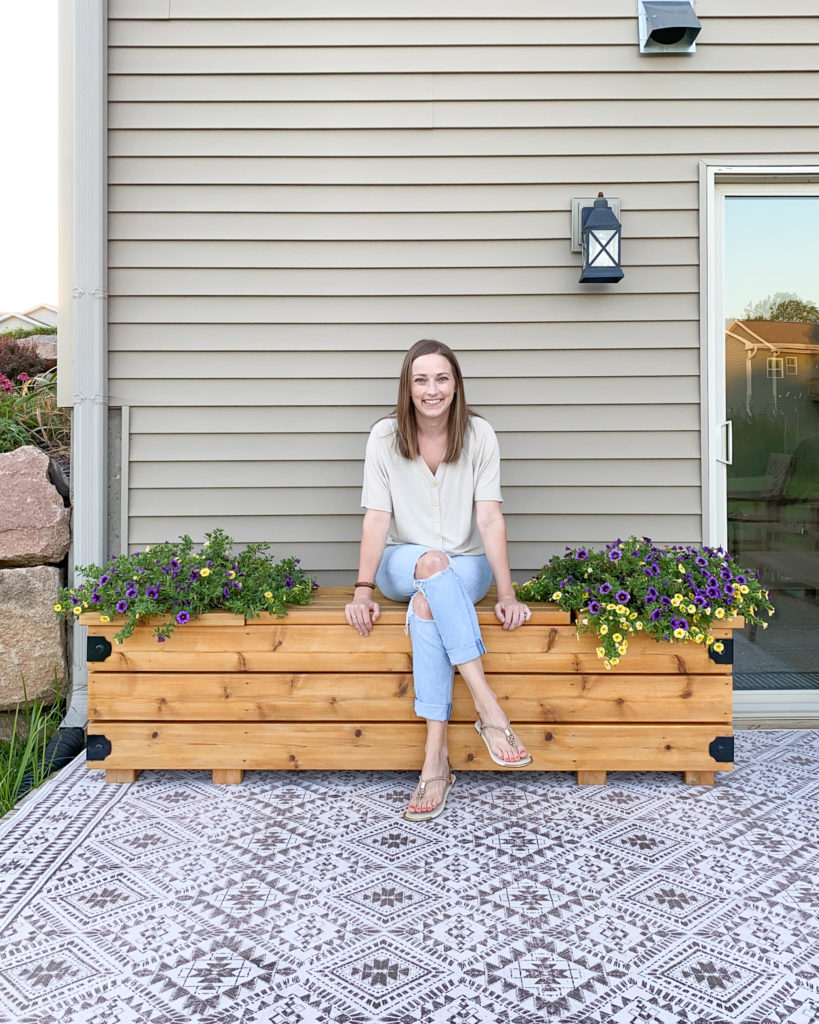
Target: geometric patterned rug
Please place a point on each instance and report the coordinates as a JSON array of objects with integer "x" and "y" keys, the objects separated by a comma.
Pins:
[{"x": 304, "y": 897}]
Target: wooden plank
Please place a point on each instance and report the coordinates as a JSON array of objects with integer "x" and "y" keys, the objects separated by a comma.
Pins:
[
  {"x": 595, "y": 778},
  {"x": 220, "y": 745},
  {"x": 382, "y": 696},
  {"x": 227, "y": 776}
]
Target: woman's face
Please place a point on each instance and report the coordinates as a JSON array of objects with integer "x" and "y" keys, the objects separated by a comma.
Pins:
[{"x": 432, "y": 387}]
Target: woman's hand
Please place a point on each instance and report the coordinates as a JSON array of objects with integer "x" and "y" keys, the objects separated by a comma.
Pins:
[
  {"x": 362, "y": 613},
  {"x": 511, "y": 612}
]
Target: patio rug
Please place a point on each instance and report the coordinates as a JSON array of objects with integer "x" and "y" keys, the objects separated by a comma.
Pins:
[{"x": 304, "y": 897}]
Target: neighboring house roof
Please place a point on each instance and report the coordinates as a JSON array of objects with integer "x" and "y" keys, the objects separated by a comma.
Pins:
[
  {"x": 45, "y": 313},
  {"x": 22, "y": 320},
  {"x": 775, "y": 335}
]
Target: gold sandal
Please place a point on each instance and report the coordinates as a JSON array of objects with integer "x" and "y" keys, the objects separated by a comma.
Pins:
[
  {"x": 449, "y": 779},
  {"x": 479, "y": 728}
]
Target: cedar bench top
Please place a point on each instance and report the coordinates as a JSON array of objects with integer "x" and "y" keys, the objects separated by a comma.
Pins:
[{"x": 328, "y": 609}]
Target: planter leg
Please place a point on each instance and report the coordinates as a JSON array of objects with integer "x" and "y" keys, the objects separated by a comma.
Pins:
[
  {"x": 121, "y": 774},
  {"x": 698, "y": 778},
  {"x": 595, "y": 778},
  {"x": 227, "y": 776}
]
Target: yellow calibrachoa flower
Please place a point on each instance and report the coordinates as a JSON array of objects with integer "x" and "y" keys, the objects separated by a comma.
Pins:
[
  {"x": 699, "y": 638},
  {"x": 77, "y": 610},
  {"x": 147, "y": 548},
  {"x": 692, "y": 609},
  {"x": 204, "y": 572},
  {"x": 58, "y": 607},
  {"x": 601, "y": 652},
  {"x": 556, "y": 596},
  {"x": 617, "y": 638},
  {"x": 743, "y": 589},
  {"x": 620, "y": 609},
  {"x": 615, "y": 661},
  {"x": 770, "y": 612},
  {"x": 606, "y": 663},
  {"x": 610, "y": 607},
  {"x": 638, "y": 625},
  {"x": 105, "y": 618},
  {"x": 679, "y": 633},
  {"x": 719, "y": 646},
  {"x": 231, "y": 574},
  {"x": 603, "y": 629},
  {"x": 681, "y": 568},
  {"x": 709, "y": 640},
  {"x": 633, "y": 616},
  {"x": 720, "y": 613}
]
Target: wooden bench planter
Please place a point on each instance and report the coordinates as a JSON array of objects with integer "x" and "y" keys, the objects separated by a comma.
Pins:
[{"x": 225, "y": 694}]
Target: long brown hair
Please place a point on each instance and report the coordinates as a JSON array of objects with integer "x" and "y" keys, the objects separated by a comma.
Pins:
[{"x": 404, "y": 411}]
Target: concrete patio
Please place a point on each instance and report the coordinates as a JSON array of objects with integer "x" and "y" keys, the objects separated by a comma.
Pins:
[{"x": 304, "y": 897}]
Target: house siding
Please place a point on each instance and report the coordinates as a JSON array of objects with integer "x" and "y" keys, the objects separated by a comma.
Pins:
[{"x": 296, "y": 197}]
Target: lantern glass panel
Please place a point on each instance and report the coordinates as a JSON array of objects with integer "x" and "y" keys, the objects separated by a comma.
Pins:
[{"x": 604, "y": 248}]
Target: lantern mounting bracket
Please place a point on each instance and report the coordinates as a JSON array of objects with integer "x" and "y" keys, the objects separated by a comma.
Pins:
[{"x": 577, "y": 221}]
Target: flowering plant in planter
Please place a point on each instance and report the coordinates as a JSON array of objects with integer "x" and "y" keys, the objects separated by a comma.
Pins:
[
  {"x": 177, "y": 582},
  {"x": 672, "y": 594}
]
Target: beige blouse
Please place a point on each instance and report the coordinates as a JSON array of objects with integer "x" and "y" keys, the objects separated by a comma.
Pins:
[{"x": 436, "y": 511}]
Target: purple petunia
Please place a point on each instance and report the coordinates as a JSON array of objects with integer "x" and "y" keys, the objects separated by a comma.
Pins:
[
  {"x": 728, "y": 590},
  {"x": 615, "y": 555},
  {"x": 604, "y": 588},
  {"x": 741, "y": 580},
  {"x": 652, "y": 594},
  {"x": 183, "y": 617},
  {"x": 194, "y": 576},
  {"x": 594, "y": 607},
  {"x": 581, "y": 554},
  {"x": 122, "y": 607},
  {"x": 161, "y": 639},
  {"x": 665, "y": 601},
  {"x": 226, "y": 592},
  {"x": 726, "y": 573},
  {"x": 700, "y": 561},
  {"x": 105, "y": 578},
  {"x": 288, "y": 581},
  {"x": 95, "y": 597},
  {"x": 656, "y": 615},
  {"x": 622, "y": 596},
  {"x": 701, "y": 601},
  {"x": 152, "y": 591},
  {"x": 131, "y": 593}
]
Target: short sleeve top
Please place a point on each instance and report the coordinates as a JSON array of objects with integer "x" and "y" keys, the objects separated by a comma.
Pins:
[{"x": 434, "y": 510}]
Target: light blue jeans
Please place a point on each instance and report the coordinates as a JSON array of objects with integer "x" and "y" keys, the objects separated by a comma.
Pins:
[{"x": 452, "y": 636}]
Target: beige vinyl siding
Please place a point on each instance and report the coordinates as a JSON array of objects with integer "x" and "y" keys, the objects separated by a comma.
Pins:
[{"x": 296, "y": 196}]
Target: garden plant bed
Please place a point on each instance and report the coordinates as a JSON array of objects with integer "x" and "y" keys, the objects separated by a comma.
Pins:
[{"x": 228, "y": 694}]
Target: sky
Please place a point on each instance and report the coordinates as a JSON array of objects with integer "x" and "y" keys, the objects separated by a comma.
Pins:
[
  {"x": 770, "y": 246},
  {"x": 28, "y": 169}
]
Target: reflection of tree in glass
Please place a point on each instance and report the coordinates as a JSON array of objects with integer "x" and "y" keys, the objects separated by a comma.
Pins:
[{"x": 783, "y": 306}]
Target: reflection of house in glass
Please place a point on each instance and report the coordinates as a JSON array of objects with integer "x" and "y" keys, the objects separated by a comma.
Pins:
[{"x": 772, "y": 371}]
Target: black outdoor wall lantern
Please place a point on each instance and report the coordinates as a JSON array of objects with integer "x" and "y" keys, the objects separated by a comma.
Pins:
[{"x": 597, "y": 230}]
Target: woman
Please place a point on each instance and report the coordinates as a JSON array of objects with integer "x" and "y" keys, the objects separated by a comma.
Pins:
[{"x": 433, "y": 535}]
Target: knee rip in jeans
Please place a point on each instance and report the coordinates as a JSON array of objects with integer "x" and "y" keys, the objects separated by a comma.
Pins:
[{"x": 442, "y": 562}]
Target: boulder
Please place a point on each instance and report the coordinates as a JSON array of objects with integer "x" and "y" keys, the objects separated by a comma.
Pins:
[
  {"x": 34, "y": 522},
  {"x": 46, "y": 348},
  {"x": 32, "y": 637}
]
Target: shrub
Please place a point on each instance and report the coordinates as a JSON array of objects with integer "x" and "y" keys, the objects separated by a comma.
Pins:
[
  {"x": 29, "y": 414},
  {"x": 672, "y": 594},
  {"x": 176, "y": 583},
  {"x": 18, "y": 357}
]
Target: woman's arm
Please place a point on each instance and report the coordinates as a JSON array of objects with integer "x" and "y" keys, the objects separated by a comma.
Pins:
[
  {"x": 492, "y": 528},
  {"x": 362, "y": 612}
]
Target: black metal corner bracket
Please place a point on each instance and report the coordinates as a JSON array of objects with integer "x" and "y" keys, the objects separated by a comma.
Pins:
[
  {"x": 97, "y": 748},
  {"x": 98, "y": 648},
  {"x": 721, "y": 749},
  {"x": 726, "y": 657}
]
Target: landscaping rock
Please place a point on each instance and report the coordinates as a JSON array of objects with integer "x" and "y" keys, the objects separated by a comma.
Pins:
[
  {"x": 32, "y": 637},
  {"x": 46, "y": 346},
  {"x": 34, "y": 522}
]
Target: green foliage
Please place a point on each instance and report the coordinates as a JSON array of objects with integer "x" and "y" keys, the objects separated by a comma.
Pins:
[
  {"x": 25, "y": 754},
  {"x": 29, "y": 414},
  {"x": 177, "y": 582},
  {"x": 27, "y": 332},
  {"x": 785, "y": 307},
  {"x": 672, "y": 594}
]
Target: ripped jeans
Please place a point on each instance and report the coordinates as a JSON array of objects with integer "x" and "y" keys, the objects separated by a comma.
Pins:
[{"x": 452, "y": 636}]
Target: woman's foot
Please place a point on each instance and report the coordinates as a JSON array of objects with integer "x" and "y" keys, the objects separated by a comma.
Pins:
[
  {"x": 510, "y": 751},
  {"x": 428, "y": 797}
]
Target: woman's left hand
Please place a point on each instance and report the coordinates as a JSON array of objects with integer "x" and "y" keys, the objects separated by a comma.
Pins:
[{"x": 511, "y": 612}]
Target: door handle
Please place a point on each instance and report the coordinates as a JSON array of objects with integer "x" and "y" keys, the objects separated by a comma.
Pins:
[{"x": 729, "y": 443}]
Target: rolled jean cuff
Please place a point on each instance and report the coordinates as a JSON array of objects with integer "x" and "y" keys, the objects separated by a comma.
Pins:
[
  {"x": 461, "y": 655},
  {"x": 436, "y": 712}
]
